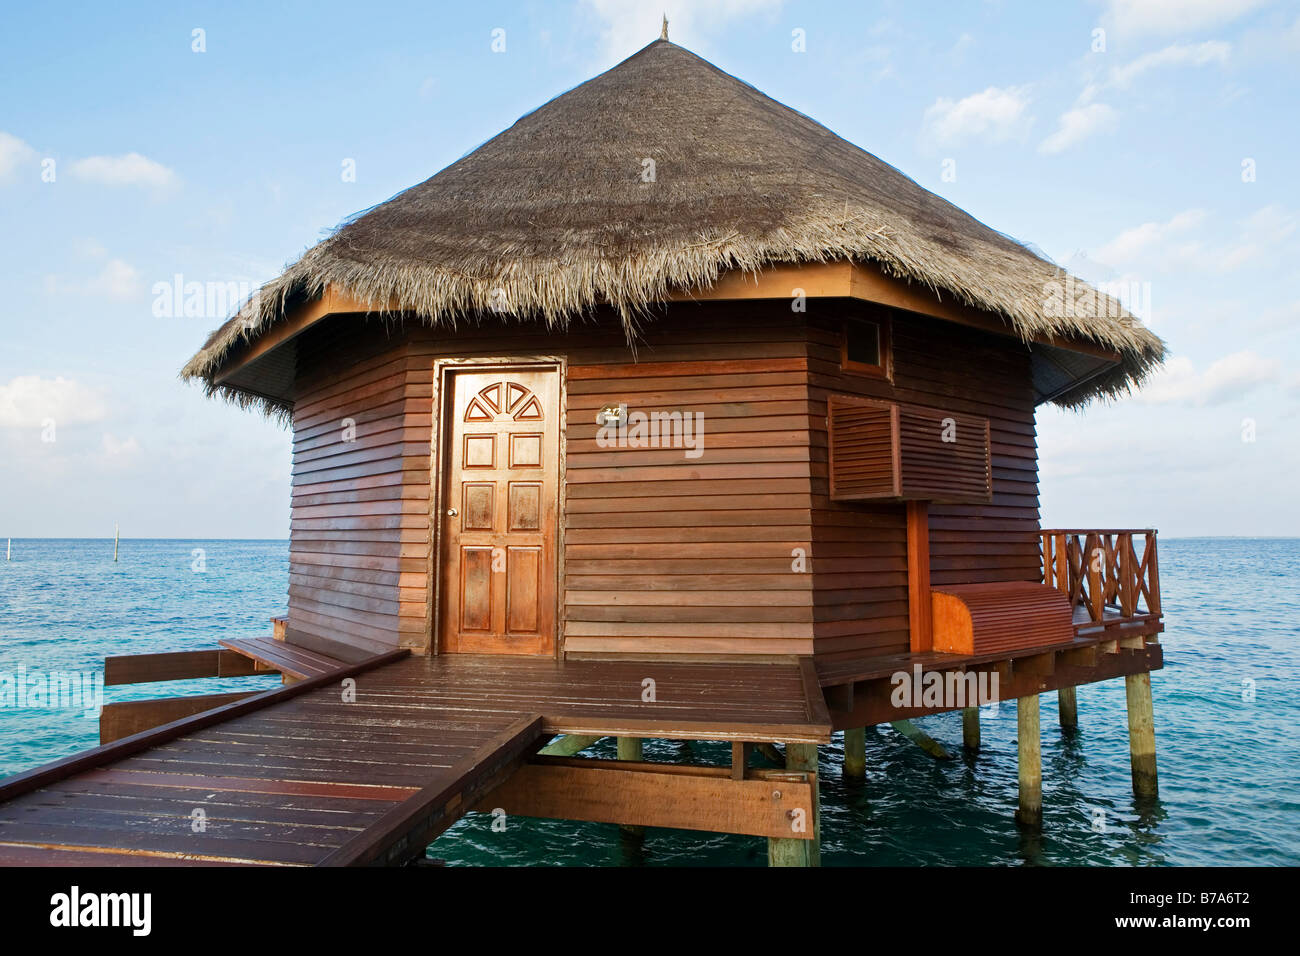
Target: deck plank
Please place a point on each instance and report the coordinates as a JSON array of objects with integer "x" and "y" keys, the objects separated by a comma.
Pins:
[{"x": 307, "y": 778}]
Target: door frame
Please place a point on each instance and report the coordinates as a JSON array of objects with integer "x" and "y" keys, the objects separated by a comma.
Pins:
[{"x": 443, "y": 369}]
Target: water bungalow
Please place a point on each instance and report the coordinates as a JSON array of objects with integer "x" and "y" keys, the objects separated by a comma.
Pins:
[{"x": 665, "y": 413}]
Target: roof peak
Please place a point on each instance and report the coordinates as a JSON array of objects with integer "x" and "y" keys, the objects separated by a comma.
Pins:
[
  {"x": 663, "y": 33},
  {"x": 663, "y": 173}
]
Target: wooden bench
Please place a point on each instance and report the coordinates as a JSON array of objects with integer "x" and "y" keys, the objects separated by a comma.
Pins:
[{"x": 999, "y": 617}]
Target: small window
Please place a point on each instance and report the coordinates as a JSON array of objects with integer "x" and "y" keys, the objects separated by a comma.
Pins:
[{"x": 866, "y": 347}]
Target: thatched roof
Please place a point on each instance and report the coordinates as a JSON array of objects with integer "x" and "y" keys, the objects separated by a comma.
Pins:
[{"x": 555, "y": 216}]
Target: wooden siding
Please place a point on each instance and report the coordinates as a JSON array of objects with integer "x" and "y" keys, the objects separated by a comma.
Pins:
[
  {"x": 662, "y": 554},
  {"x": 359, "y": 531},
  {"x": 667, "y": 554},
  {"x": 861, "y": 549}
]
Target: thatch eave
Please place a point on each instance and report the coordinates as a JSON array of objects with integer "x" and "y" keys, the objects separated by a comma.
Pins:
[{"x": 551, "y": 219}]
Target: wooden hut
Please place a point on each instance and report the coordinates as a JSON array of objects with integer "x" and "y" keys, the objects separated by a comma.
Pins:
[{"x": 666, "y": 413}]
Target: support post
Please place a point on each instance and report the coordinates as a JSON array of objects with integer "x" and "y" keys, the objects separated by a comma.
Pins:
[
  {"x": 783, "y": 851},
  {"x": 921, "y": 739},
  {"x": 855, "y": 753},
  {"x": 791, "y": 852},
  {"x": 1142, "y": 734},
  {"x": 804, "y": 757},
  {"x": 970, "y": 728},
  {"x": 630, "y": 748},
  {"x": 919, "y": 613},
  {"x": 568, "y": 745},
  {"x": 1030, "y": 812},
  {"x": 740, "y": 754},
  {"x": 1068, "y": 704}
]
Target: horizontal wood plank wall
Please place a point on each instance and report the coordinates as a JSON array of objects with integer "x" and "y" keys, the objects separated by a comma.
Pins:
[
  {"x": 359, "y": 531},
  {"x": 693, "y": 556},
  {"x": 861, "y": 549},
  {"x": 664, "y": 554}
]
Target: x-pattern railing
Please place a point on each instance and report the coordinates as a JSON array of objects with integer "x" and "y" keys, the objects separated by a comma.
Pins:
[{"x": 1102, "y": 571}]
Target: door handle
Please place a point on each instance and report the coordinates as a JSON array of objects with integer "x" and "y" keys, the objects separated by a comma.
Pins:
[{"x": 452, "y": 512}]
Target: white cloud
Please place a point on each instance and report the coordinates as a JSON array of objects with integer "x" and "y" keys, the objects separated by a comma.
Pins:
[
  {"x": 1179, "y": 54},
  {"x": 1260, "y": 238},
  {"x": 1264, "y": 238},
  {"x": 1269, "y": 225},
  {"x": 1162, "y": 17},
  {"x": 1269, "y": 43},
  {"x": 995, "y": 114},
  {"x": 1078, "y": 124},
  {"x": 1141, "y": 239},
  {"x": 131, "y": 169},
  {"x": 1229, "y": 378},
  {"x": 959, "y": 49},
  {"x": 628, "y": 25},
  {"x": 27, "y": 401},
  {"x": 117, "y": 280},
  {"x": 14, "y": 154}
]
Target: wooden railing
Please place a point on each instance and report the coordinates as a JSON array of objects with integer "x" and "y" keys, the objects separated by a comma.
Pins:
[{"x": 1102, "y": 572}]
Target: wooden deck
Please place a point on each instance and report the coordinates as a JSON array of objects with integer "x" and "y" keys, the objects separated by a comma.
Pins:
[
  {"x": 858, "y": 691},
  {"x": 298, "y": 776}
]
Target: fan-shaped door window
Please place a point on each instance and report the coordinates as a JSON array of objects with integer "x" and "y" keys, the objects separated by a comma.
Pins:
[{"x": 504, "y": 401}]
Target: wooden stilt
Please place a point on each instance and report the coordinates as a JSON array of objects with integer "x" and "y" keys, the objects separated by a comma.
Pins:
[
  {"x": 970, "y": 728},
  {"x": 787, "y": 852},
  {"x": 791, "y": 852},
  {"x": 630, "y": 748},
  {"x": 568, "y": 745},
  {"x": 1068, "y": 704},
  {"x": 1030, "y": 813},
  {"x": 855, "y": 752},
  {"x": 1142, "y": 735},
  {"x": 770, "y": 752},
  {"x": 804, "y": 757},
  {"x": 921, "y": 739}
]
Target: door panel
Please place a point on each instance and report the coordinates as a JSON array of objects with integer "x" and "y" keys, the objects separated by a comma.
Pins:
[{"x": 498, "y": 561}]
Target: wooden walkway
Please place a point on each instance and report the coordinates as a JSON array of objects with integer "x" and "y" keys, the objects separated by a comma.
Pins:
[{"x": 299, "y": 776}]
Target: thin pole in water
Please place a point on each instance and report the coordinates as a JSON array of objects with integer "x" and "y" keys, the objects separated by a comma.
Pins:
[
  {"x": 9, "y": 550},
  {"x": 114, "y": 542}
]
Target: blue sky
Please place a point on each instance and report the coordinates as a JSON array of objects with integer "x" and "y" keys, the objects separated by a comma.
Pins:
[{"x": 1158, "y": 155}]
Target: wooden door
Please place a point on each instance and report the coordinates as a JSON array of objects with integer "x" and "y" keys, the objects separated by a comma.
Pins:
[{"x": 499, "y": 505}]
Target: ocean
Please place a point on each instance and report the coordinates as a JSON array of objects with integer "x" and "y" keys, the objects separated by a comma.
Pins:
[{"x": 1227, "y": 717}]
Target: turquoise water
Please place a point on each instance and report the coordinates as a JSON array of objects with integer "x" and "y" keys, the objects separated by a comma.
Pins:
[{"x": 1230, "y": 790}]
